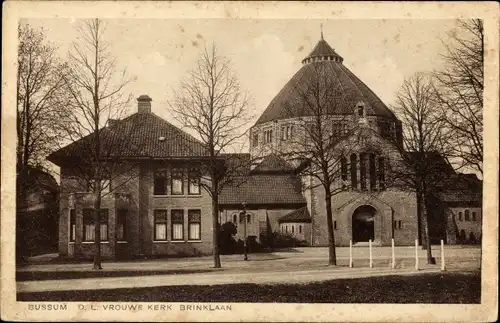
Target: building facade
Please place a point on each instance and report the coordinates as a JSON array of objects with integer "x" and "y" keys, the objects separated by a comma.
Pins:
[{"x": 157, "y": 207}]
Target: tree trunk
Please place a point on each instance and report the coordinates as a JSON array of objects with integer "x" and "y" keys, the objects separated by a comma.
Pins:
[
  {"x": 332, "y": 257},
  {"x": 97, "y": 226},
  {"x": 425, "y": 220},
  {"x": 215, "y": 223},
  {"x": 215, "y": 235}
]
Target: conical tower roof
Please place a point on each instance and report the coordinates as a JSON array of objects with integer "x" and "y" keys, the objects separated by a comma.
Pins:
[{"x": 282, "y": 106}]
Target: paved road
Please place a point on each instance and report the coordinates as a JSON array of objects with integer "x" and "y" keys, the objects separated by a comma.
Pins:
[{"x": 214, "y": 278}]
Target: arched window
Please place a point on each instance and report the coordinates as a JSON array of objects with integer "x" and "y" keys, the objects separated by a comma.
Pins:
[
  {"x": 381, "y": 172},
  {"x": 373, "y": 174},
  {"x": 460, "y": 217},
  {"x": 467, "y": 216},
  {"x": 300, "y": 229},
  {"x": 249, "y": 218},
  {"x": 343, "y": 171},
  {"x": 235, "y": 218},
  {"x": 293, "y": 227},
  {"x": 362, "y": 169},
  {"x": 286, "y": 228},
  {"x": 354, "y": 171}
]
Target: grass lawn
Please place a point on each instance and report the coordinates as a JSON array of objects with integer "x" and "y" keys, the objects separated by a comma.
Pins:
[{"x": 421, "y": 288}]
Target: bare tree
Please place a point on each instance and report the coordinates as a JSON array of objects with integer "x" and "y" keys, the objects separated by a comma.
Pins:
[
  {"x": 423, "y": 140},
  {"x": 39, "y": 82},
  {"x": 321, "y": 135},
  {"x": 459, "y": 90},
  {"x": 39, "y": 109},
  {"x": 96, "y": 97},
  {"x": 211, "y": 103}
]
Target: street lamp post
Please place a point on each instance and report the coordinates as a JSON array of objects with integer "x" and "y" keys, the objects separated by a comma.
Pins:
[{"x": 243, "y": 216}]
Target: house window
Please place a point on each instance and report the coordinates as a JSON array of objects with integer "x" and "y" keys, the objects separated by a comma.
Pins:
[
  {"x": 160, "y": 225},
  {"x": 467, "y": 216},
  {"x": 362, "y": 170},
  {"x": 300, "y": 229},
  {"x": 235, "y": 218},
  {"x": 160, "y": 182},
  {"x": 335, "y": 225},
  {"x": 268, "y": 136},
  {"x": 474, "y": 216},
  {"x": 336, "y": 128},
  {"x": 255, "y": 140},
  {"x": 286, "y": 132},
  {"x": 177, "y": 224},
  {"x": 72, "y": 225},
  {"x": 460, "y": 217},
  {"x": 194, "y": 225},
  {"x": 89, "y": 227},
  {"x": 399, "y": 224},
  {"x": 249, "y": 218},
  {"x": 354, "y": 171},
  {"x": 373, "y": 176},
  {"x": 121, "y": 225},
  {"x": 381, "y": 172},
  {"x": 286, "y": 229},
  {"x": 343, "y": 171},
  {"x": 194, "y": 182},
  {"x": 177, "y": 187},
  {"x": 293, "y": 227}
]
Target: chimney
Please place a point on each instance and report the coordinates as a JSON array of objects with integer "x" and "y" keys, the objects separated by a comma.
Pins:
[{"x": 144, "y": 104}]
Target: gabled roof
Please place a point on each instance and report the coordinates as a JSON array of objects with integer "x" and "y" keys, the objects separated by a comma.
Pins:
[
  {"x": 137, "y": 136},
  {"x": 298, "y": 216},
  {"x": 288, "y": 103},
  {"x": 273, "y": 164},
  {"x": 259, "y": 189}
]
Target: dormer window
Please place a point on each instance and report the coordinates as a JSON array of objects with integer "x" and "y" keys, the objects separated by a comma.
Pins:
[{"x": 361, "y": 110}]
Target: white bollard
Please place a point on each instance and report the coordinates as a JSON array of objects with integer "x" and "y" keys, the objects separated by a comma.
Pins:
[
  {"x": 350, "y": 253},
  {"x": 371, "y": 258},
  {"x": 442, "y": 255},
  {"x": 416, "y": 254},
  {"x": 393, "y": 264}
]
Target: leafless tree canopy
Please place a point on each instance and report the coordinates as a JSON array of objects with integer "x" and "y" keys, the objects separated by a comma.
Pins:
[
  {"x": 325, "y": 122},
  {"x": 424, "y": 140},
  {"x": 459, "y": 89},
  {"x": 211, "y": 103},
  {"x": 96, "y": 95},
  {"x": 322, "y": 104},
  {"x": 40, "y": 111}
]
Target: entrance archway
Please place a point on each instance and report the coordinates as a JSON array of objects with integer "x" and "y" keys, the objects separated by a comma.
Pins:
[{"x": 363, "y": 220}]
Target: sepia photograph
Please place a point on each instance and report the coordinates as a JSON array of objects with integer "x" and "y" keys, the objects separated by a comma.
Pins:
[{"x": 177, "y": 166}]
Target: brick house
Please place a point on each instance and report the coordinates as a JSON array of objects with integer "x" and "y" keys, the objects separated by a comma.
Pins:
[{"x": 155, "y": 207}]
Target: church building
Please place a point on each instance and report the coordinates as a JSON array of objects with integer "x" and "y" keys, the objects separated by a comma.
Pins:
[{"x": 159, "y": 208}]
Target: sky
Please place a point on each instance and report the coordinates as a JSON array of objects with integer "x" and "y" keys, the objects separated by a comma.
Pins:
[{"x": 264, "y": 53}]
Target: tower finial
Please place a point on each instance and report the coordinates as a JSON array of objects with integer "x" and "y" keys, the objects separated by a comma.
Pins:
[{"x": 321, "y": 27}]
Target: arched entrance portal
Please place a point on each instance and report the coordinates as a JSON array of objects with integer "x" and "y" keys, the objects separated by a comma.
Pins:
[{"x": 363, "y": 220}]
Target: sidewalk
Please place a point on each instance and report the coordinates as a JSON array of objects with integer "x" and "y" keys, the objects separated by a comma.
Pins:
[{"x": 214, "y": 278}]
